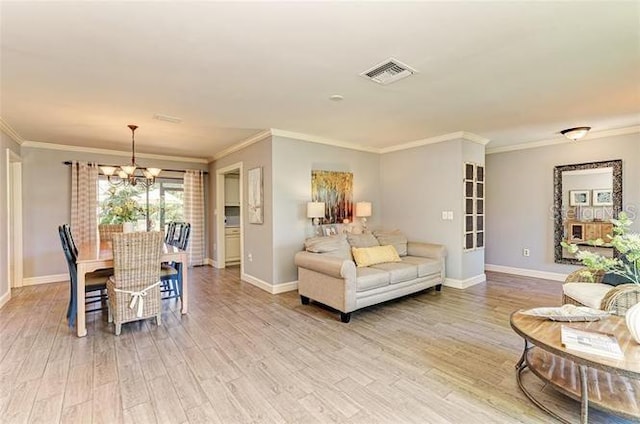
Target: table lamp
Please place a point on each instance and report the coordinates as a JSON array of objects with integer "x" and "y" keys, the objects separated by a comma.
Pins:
[
  {"x": 315, "y": 211},
  {"x": 363, "y": 210}
]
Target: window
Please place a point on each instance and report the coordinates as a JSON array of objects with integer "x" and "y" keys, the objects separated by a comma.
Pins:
[{"x": 157, "y": 206}]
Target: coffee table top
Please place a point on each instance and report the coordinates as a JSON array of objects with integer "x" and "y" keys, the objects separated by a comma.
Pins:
[{"x": 546, "y": 334}]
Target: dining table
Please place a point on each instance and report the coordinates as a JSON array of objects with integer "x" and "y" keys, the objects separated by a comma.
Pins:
[{"x": 94, "y": 256}]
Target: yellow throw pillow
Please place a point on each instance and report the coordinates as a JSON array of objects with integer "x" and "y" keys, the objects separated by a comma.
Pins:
[{"x": 365, "y": 256}]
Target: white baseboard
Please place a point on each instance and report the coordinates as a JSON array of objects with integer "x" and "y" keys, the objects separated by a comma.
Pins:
[
  {"x": 269, "y": 288},
  {"x": 45, "y": 279},
  {"x": 5, "y": 298},
  {"x": 285, "y": 287},
  {"x": 555, "y": 276},
  {"x": 210, "y": 262},
  {"x": 463, "y": 284}
]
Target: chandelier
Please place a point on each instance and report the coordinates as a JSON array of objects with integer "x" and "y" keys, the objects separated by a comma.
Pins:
[{"x": 126, "y": 174}]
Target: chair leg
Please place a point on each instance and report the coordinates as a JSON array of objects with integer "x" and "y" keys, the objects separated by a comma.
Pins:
[
  {"x": 118, "y": 328},
  {"x": 110, "y": 318},
  {"x": 73, "y": 311},
  {"x": 159, "y": 319}
]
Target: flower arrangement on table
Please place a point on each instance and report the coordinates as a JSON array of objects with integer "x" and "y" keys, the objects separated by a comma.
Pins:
[{"x": 127, "y": 212}]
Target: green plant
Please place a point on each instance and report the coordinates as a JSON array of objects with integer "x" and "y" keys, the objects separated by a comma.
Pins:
[
  {"x": 627, "y": 265},
  {"x": 120, "y": 207}
]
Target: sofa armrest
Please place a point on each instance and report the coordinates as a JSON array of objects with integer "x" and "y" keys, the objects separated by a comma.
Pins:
[
  {"x": 325, "y": 264},
  {"x": 426, "y": 250}
]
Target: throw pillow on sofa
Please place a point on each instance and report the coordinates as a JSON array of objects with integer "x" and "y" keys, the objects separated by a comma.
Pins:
[
  {"x": 393, "y": 237},
  {"x": 366, "y": 256},
  {"x": 362, "y": 240},
  {"x": 330, "y": 245}
]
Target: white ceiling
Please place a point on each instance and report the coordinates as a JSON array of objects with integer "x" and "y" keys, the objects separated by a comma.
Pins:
[{"x": 77, "y": 73}]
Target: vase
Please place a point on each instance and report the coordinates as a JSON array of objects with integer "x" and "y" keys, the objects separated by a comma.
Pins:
[
  {"x": 128, "y": 227},
  {"x": 633, "y": 321}
]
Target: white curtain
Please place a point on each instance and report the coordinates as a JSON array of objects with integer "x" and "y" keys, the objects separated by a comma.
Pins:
[
  {"x": 194, "y": 214},
  {"x": 84, "y": 202}
]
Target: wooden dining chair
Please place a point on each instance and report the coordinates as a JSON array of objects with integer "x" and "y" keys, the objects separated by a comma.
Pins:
[
  {"x": 94, "y": 281},
  {"x": 134, "y": 289},
  {"x": 171, "y": 273},
  {"x": 106, "y": 231},
  {"x": 169, "y": 235}
]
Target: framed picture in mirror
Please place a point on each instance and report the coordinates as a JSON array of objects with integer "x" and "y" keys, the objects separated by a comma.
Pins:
[
  {"x": 579, "y": 198},
  {"x": 602, "y": 197}
]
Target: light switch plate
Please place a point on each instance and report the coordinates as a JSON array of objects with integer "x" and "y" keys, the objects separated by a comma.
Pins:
[
  {"x": 444, "y": 215},
  {"x": 450, "y": 215}
]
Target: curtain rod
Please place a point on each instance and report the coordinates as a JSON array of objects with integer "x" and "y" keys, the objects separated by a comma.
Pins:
[{"x": 68, "y": 162}]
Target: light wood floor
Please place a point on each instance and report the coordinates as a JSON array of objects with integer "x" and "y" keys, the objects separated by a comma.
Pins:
[{"x": 242, "y": 355}]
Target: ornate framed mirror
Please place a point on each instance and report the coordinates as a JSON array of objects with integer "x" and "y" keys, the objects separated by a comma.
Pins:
[{"x": 586, "y": 196}]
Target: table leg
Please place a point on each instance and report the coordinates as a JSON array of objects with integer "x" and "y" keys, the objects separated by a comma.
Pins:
[
  {"x": 184, "y": 293},
  {"x": 584, "y": 395},
  {"x": 522, "y": 362},
  {"x": 521, "y": 367},
  {"x": 81, "y": 326}
]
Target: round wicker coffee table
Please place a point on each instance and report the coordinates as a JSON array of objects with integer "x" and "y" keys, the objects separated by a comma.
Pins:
[{"x": 611, "y": 385}]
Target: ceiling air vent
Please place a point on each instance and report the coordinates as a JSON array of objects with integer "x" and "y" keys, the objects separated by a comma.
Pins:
[{"x": 391, "y": 70}]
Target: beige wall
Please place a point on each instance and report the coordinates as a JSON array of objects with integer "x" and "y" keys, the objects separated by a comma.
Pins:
[
  {"x": 520, "y": 197},
  {"x": 417, "y": 185},
  {"x": 258, "y": 238},
  {"x": 287, "y": 165},
  {"x": 293, "y": 161}
]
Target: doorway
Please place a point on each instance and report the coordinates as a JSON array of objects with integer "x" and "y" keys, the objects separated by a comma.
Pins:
[
  {"x": 229, "y": 229},
  {"x": 14, "y": 219}
]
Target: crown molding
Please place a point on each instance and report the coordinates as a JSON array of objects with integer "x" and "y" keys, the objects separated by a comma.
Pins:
[
  {"x": 323, "y": 140},
  {"x": 241, "y": 145},
  {"x": 438, "y": 139},
  {"x": 6, "y": 128},
  {"x": 67, "y": 148},
  {"x": 348, "y": 145},
  {"x": 475, "y": 138},
  {"x": 563, "y": 140}
]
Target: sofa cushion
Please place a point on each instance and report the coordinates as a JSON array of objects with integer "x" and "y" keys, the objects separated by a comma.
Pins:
[
  {"x": 366, "y": 256},
  {"x": 589, "y": 294},
  {"x": 368, "y": 278},
  {"x": 330, "y": 245},
  {"x": 426, "y": 266},
  {"x": 362, "y": 240},
  {"x": 398, "y": 271},
  {"x": 393, "y": 237}
]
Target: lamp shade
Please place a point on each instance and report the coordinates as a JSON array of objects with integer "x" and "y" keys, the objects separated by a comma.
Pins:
[
  {"x": 315, "y": 210},
  {"x": 363, "y": 209}
]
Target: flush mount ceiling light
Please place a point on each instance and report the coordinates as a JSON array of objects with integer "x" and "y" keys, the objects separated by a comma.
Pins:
[
  {"x": 126, "y": 174},
  {"x": 576, "y": 133},
  {"x": 336, "y": 97}
]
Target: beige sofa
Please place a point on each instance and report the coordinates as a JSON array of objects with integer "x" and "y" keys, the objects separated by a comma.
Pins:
[{"x": 328, "y": 274}]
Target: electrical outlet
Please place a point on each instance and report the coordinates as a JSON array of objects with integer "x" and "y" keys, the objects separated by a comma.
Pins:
[
  {"x": 525, "y": 252},
  {"x": 250, "y": 257}
]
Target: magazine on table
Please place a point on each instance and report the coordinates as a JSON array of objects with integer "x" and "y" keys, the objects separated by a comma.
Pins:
[{"x": 591, "y": 342}]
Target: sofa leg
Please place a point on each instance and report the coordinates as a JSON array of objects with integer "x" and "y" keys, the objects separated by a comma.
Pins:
[
  {"x": 345, "y": 317},
  {"x": 439, "y": 287},
  {"x": 304, "y": 300}
]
